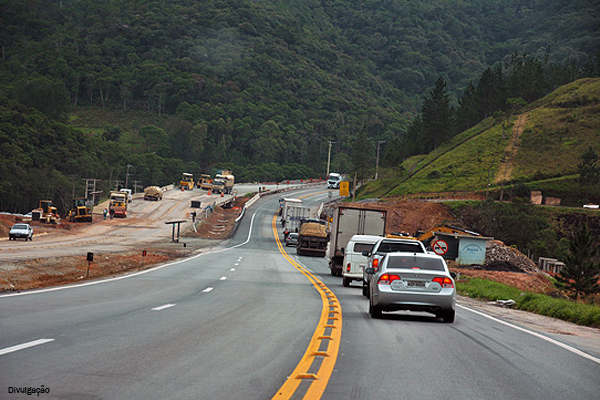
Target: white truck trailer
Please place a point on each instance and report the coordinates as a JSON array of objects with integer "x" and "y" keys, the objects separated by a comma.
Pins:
[{"x": 347, "y": 222}]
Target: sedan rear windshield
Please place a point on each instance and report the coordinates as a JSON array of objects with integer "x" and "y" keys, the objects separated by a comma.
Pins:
[
  {"x": 394, "y": 247},
  {"x": 20, "y": 226},
  {"x": 408, "y": 262}
]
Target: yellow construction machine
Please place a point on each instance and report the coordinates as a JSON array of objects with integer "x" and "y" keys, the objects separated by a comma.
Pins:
[
  {"x": 46, "y": 213},
  {"x": 187, "y": 181},
  {"x": 79, "y": 211}
]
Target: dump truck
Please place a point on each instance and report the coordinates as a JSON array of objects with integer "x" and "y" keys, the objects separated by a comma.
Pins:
[
  {"x": 205, "y": 182},
  {"x": 347, "y": 222},
  {"x": 118, "y": 204},
  {"x": 79, "y": 211},
  {"x": 153, "y": 193},
  {"x": 223, "y": 183},
  {"x": 312, "y": 239},
  {"x": 46, "y": 213},
  {"x": 187, "y": 181}
]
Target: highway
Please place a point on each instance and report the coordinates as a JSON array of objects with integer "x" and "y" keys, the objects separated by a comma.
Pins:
[{"x": 251, "y": 320}]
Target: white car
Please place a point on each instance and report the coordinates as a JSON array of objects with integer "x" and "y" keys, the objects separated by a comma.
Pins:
[
  {"x": 413, "y": 282},
  {"x": 23, "y": 231}
]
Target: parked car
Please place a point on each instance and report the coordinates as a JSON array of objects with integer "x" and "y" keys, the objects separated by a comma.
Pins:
[
  {"x": 354, "y": 261},
  {"x": 292, "y": 239},
  {"x": 413, "y": 282},
  {"x": 23, "y": 231},
  {"x": 384, "y": 246}
]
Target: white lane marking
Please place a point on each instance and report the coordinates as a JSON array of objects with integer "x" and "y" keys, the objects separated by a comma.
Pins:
[
  {"x": 236, "y": 264},
  {"x": 163, "y": 307},
  {"x": 223, "y": 278},
  {"x": 232, "y": 269},
  {"x": 147, "y": 271},
  {"x": 24, "y": 346},
  {"x": 208, "y": 289},
  {"x": 538, "y": 335}
]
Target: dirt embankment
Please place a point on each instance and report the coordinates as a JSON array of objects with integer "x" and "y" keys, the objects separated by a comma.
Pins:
[{"x": 55, "y": 271}]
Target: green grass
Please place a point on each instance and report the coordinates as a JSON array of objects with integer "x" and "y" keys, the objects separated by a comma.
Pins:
[{"x": 566, "y": 310}]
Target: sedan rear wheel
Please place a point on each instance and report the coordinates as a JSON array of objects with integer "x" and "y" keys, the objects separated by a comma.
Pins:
[
  {"x": 374, "y": 310},
  {"x": 449, "y": 316}
]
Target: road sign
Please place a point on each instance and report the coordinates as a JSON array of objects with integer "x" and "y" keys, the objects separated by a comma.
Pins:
[
  {"x": 440, "y": 247},
  {"x": 345, "y": 189}
]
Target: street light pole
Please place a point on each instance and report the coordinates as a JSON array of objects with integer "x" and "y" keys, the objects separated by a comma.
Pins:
[
  {"x": 329, "y": 158},
  {"x": 377, "y": 162}
]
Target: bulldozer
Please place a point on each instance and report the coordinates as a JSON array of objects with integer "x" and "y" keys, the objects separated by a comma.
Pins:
[
  {"x": 79, "y": 211},
  {"x": 46, "y": 213}
]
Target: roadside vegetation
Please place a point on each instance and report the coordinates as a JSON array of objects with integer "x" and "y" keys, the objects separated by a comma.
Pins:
[{"x": 587, "y": 314}]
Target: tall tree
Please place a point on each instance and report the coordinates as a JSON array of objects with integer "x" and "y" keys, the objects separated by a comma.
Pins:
[
  {"x": 437, "y": 116},
  {"x": 582, "y": 271},
  {"x": 589, "y": 169}
]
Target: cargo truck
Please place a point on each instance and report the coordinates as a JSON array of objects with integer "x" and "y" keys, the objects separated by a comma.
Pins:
[
  {"x": 312, "y": 239},
  {"x": 347, "y": 222}
]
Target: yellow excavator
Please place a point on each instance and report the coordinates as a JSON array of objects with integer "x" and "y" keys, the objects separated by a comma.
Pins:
[{"x": 427, "y": 236}]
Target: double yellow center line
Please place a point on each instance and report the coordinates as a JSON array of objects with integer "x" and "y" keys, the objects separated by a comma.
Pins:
[{"x": 316, "y": 366}]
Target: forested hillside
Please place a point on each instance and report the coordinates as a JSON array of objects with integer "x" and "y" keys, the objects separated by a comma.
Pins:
[{"x": 251, "y": 85}]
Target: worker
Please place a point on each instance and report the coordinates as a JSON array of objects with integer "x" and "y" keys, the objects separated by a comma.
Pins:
[{"x": 105, "y": 213}]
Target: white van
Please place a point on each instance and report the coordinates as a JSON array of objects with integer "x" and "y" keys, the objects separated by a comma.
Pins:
[{"x": 354, "y": 260}]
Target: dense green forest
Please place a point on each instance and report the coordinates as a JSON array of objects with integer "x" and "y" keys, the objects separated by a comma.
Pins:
[{"x": 261, "y": 87}]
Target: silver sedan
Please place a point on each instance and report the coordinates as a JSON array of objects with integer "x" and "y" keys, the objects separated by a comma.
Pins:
[{"x": 413, "y": 282}]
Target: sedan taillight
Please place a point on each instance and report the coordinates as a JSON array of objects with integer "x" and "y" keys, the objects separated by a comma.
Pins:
[
  {"x": 387, "y": 279},
  {"x": 444, "y": 282}
]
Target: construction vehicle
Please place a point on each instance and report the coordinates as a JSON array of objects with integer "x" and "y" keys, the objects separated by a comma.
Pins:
[
  {"x": 187, "y": 181},
  {"x": 223, "y": 183},
  {"x": 426, "y": 237},
  {"x": 312, "y": 239},
  {"x": 79, "y": 211},
  {"x": 205, "y": 182},
  {"x": 153, "y": 193},
  {"x": 118, "y": 204},
  {"x": 347, "y": 222},
  {"x": 46, "y": 213}
]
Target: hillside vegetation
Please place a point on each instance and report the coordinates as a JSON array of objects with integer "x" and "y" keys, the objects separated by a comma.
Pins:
[
  {"x": 540, "y": 148},
  {"x": 93, "y": 90}
]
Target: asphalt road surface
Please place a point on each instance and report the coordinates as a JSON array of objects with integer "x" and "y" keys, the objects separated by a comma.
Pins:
[{"x": 251, "y": 320}]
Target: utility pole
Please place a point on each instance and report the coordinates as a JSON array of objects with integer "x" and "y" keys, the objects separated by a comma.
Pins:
[
  {"x": 137, "y": 185},
  {"x": 127, "y": 176},
  {"x": 329, "y": 158},
  {"x": 377, "y": 162}
]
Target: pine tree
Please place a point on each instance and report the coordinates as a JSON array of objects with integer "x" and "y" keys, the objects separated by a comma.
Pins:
[
  {"x": 437, "y": 116},
  {"x": 589, "y": 169},
  {"x": 582, "y": 271}
]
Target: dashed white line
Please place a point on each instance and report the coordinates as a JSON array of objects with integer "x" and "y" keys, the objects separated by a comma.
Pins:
[
  {"x": 223, "y": 278},
  {"x": 208, "y": 289},
  {"x": 163, "y": 307},
  {"x": 232, "y": 269},
  {"x": 24, "y": 346}
]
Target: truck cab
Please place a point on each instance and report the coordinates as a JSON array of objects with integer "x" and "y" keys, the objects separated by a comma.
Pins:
[{"x": 333, "y": 181}]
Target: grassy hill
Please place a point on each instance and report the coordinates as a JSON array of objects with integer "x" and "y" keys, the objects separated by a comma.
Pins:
[{"x": 541, "y": 148}]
